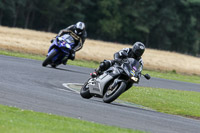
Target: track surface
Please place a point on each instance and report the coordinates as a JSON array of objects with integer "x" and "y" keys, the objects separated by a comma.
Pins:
[{"x": 26, "y": 84}]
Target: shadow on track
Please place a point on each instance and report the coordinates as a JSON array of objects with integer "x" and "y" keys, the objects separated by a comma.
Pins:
[
  {"x": 116, "y": 104},
  {"x": 68, "y": 70}
]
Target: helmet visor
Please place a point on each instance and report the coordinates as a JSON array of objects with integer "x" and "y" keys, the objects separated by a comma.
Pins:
[
  {"x": 139, "y": 52},
  {"x": 78, "y": 31}
]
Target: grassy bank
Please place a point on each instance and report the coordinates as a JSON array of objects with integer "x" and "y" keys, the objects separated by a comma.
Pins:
[
  {"x": 176, "y": 102},
  {"x": 184, "y": 103},
  {"x": 172, "y": 75},
  {"x": 37, "y": 42},
  {"x": 14, "y": 120}
]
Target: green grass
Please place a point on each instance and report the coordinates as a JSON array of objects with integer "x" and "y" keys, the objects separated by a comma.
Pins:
[
  {"x": 82, "y": 63},
  {"x": 22, "y": 55},
  {"x": 176, "y": 102},
  {"x": 185, "y": 103},
  {"x": 14, "y": 120},
  {"x": 91, "y": 64},
  {"x": 174, "y": 76}
]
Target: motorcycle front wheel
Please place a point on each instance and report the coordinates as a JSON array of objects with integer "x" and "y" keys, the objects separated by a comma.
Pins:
[
  {"x": 85, "y": 92},
  {"x": 113, "y": 93},
  {"x": 49, "y": 58}
]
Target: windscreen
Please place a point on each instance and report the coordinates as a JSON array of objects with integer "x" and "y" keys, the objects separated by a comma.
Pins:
[
  {"x": 68, "y": 39},
  {"x": 131, "y": 67}
]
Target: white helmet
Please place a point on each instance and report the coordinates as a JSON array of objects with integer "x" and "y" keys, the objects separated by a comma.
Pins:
[{"x": 79, "y": 28}]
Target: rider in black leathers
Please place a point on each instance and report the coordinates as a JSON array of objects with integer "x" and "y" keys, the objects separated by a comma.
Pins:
[
  {"x": 136, "y": 52},
  {"x": 78, "y": 32}
]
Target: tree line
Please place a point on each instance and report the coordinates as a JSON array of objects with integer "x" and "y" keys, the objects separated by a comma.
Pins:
[{"x": 161, "y": 24}]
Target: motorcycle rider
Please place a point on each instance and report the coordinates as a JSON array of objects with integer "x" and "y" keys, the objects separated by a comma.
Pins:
[
  {"x": 78, "y": 32},
  {"x": 136, "y": 52}
]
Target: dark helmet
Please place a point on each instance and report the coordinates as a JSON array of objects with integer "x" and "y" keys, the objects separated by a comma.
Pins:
[
  {"x": 138, "y": 49},
  {"x": 79, "y": 28}
]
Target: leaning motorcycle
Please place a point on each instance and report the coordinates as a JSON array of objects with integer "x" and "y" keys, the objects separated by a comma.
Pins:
[
  {"x": 114, "y": 81},
  {"x": 59, "y": 49}
]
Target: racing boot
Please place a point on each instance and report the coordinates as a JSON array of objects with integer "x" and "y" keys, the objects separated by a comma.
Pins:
[
  {"x": 95, "y": 73},
  {"x": 102, "y": 67}
]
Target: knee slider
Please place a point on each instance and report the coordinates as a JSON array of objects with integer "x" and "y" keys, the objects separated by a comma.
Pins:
[
  {"x": 107, "y": 63},
  {"x": 102, "y": 65},
  {"x": 72, "y": 56}
]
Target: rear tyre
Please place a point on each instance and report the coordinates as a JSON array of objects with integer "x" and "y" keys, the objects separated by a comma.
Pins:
[
  {"x": 112, "y": 94},
  {"x": 85, "y": 92},
  {"x": 49, "y": 58}
]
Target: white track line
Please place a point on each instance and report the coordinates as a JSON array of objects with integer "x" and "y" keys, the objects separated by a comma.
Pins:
[{"x": 67, "y": 85}]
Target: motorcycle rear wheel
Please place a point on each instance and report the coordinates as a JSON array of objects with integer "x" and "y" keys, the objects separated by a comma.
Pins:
[
  {"x": 111, "y": 96},
  {"x": 49, "y": 58},
  {"x": 85, "y": 92}
]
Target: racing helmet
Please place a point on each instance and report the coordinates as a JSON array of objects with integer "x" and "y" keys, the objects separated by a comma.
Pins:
[
  {"x": 138, "y": 49},
  {"x": 79, "y": 28}
]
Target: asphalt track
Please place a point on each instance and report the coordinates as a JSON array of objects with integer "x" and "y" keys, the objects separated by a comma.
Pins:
[{"x": 24, "y": 83}]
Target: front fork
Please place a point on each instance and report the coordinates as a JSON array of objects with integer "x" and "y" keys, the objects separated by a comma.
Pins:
[
  {"x": 116, "y": 81},
  {"x": 129, "y": 83},
  {"x": 58, "y": 56}
]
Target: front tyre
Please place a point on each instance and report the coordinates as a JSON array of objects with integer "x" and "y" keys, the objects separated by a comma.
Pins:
[
  {"x": 53, "y": 65},
  {"x": 85, "y": 93},
  {"x": 114, "y": 93},
  {"x": 49, "y": 58}
]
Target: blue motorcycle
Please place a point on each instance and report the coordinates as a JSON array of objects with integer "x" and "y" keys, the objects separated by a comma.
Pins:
[{"x": 60, "y": 49}]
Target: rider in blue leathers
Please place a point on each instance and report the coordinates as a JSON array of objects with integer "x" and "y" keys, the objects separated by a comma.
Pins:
[{"x": 78, "y": 32}]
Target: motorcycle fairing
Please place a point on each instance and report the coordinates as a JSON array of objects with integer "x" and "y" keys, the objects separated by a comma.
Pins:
[
  {"x": 114, "y": 71},
  {"x": 99, "y": 83},
  {"x": 131, "y": 67},
  {"x": 65, "y": 43},
  {"x": 59, "y": 55},
  {"x": 63, "y": 46}
]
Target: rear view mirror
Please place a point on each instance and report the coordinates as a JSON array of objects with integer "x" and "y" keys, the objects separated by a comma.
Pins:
[{"x": 147, "y": 76}]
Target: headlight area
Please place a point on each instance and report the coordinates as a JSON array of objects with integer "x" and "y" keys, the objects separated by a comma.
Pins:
[{"x": 134, "y": 79}]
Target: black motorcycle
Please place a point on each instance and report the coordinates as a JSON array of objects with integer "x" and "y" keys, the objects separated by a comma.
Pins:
[{"x": 114, "y": 81}]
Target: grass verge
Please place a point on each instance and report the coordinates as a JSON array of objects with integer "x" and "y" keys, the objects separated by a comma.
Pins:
[
  {"x": 172, "y": 75},
  {"x": 14, "y": 120},
  {"x": 91, "y": 64},
  {"x": 184, "y": 103},
  {"x": 176, "y": 102}
]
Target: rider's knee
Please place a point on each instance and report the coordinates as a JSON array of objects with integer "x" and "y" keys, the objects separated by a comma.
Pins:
[
  {"x": 72, "y": 56},
  {"x": 105, "y": 65}
]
